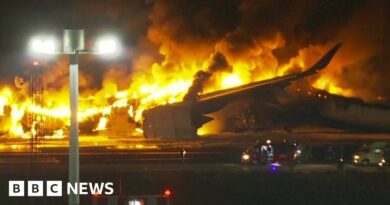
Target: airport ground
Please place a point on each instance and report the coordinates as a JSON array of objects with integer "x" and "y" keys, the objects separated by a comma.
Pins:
[{"x": 210, "y": 173}]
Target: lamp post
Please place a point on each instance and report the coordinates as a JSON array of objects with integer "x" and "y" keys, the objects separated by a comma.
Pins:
[
  {"x": 73, "y": 169},
  {"x": 73, "y": 45}
]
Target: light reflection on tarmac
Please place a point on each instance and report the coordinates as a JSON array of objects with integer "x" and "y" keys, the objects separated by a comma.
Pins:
[
  {"x": 205, "y": 154},
  {"x": 195, "y": 167}
]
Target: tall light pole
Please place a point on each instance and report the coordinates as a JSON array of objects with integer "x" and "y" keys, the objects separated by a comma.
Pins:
[
  {"x": 73, "y": 45},
  {"x": 74, "y": 169}
]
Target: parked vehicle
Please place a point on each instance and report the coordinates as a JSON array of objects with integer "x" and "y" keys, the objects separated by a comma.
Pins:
[{"x": 375, "y": 153}]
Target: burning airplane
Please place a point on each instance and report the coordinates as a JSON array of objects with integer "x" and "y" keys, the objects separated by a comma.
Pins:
[
  {"x": 180, "y": 110},
  {"x": 181, "y": 120},
  {"x": 235, "y": 49}
]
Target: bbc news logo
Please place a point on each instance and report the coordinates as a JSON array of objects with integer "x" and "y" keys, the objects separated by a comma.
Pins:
[{"x": 55, "y": 188}]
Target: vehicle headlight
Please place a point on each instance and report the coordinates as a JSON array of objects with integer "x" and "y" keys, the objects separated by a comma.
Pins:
[
  {"x": 383, "y": 161},
  {"x": 245, "y": 157},
  {"x": 356, "y": 157}
]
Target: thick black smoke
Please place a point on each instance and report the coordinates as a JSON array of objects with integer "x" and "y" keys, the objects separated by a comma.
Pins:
[
  {"x": 218, "y": 63},
  {"x": 252, "y": 29},
  {"x": 267, "y": 33}
]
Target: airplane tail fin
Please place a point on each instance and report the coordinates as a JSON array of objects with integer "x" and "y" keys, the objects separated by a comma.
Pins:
[{"x": 323, "y": 62}]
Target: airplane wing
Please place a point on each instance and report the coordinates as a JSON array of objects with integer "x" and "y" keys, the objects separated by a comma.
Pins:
[{"x": 266, "y": 88}]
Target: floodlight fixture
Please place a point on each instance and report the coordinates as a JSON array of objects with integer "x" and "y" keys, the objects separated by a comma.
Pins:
[
  {"x": 43, "y": 45},
  {"x": 107, "y": 45}
]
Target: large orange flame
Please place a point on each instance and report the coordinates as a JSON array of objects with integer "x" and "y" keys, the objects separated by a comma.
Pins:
[{"x": 165, "y": 82}]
